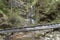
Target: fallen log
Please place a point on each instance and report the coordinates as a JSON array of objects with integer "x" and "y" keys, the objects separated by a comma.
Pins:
[{"x": 39, "y": 27}]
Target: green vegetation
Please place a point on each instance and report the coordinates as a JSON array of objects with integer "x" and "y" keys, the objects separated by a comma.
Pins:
[{"x": 44, "y": 11}]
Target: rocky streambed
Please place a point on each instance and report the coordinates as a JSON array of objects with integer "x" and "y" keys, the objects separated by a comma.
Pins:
[{"x": 35, "y": 35}]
